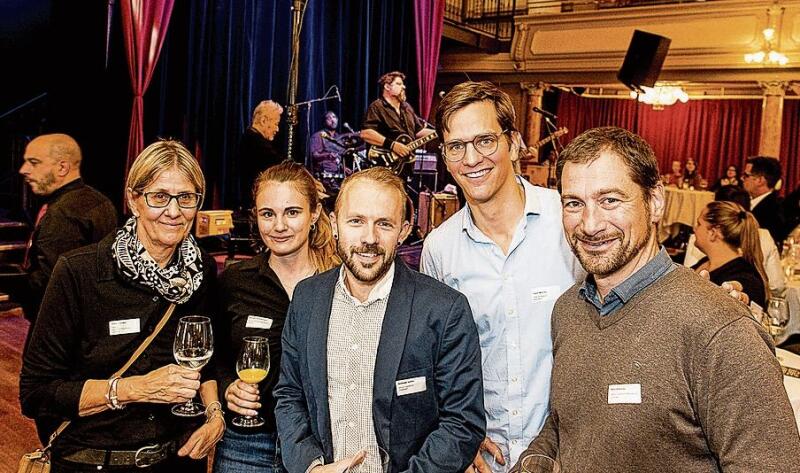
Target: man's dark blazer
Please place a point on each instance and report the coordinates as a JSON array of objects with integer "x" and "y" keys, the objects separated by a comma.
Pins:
[
  {"x": 428, "y": 331},
  {"x": 769, "y": 214}
]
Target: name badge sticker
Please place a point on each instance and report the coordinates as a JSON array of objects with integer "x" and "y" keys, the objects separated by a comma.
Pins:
[
  {"x": 410, "y": 386},
  {"x": 124, "y": 327},
  {"x": 254, "y": 321},
  {"x": 544, "y": 293},
  {"x": 624, "y": 393}
]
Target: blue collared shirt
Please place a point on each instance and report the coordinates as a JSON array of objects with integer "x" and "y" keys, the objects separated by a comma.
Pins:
[
  {"x": 651, "y": 272},
  {"x": 512, "y": 298}
]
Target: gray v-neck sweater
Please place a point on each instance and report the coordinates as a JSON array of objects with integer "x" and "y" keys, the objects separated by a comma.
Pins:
[{"x": 711, "y": 391}]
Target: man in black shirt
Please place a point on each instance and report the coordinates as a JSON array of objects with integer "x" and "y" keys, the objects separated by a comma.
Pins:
[
  {"x": 72, "y": 215},
  {"x": 391, "y": 116},
  {"x": 256, "y": 149}
]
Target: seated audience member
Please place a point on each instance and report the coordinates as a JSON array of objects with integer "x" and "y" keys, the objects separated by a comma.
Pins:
[
  {"x": 255, "y": 295},
  {"x": 761, "y": 175},
  {"x": 691, "y": 177},
  {"x": 728, "y": 235},
  {"x": 675, "y": 179},
  {"x": 776, "y": 278},
  {"x": 731, "y": 178},
  {"x": 654, "y": 368},
  {"x": 101, "y": 303}
]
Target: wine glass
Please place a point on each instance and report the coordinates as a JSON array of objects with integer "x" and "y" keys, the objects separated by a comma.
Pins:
[
  {"x": 193, "y": 347},
  {"x": 538, "y": 463},
  {"x": 252, "y": 367},
  {"x": 778, "y": 312}
]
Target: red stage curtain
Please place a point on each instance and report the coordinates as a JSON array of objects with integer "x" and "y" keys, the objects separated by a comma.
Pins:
[
  {"x": 144, "y": 25},
  {"x": 716, "y": 133},
  {"x": 428, "y": 20},
  {"x": 790, "y": 145}
]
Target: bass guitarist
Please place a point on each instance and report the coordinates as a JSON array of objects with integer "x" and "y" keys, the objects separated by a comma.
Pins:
[{"x": 390, "y": 116}]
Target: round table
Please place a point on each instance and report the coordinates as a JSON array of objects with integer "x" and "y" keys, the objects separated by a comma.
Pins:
[{"x": 682, "y": 206}]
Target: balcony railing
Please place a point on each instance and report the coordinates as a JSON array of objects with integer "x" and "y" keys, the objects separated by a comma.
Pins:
[{"x": 493, "y": 18}]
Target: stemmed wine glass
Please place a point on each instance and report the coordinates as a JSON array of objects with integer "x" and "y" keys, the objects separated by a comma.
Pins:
[
  {"x": 778, "y": 313},
  {"x": 252, "y": 367},
  {"x": 193, "y": 347}
]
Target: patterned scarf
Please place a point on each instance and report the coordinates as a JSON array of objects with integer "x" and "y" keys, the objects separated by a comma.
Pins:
[{"x": 176, "y": 282}]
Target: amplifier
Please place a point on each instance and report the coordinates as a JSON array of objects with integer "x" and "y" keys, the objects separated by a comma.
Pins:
[
  {"x": 426, "y": 162},
  {"x": 433, "y": 210}
]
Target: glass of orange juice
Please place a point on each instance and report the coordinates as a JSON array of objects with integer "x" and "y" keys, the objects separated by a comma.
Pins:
[{"x": 252, "y": 367}]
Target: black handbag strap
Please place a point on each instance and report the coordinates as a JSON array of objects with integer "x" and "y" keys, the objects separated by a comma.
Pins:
[{"x": 142, "y": 347}]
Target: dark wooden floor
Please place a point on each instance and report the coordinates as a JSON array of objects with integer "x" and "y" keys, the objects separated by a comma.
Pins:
[{"x": 17, "y": 433}]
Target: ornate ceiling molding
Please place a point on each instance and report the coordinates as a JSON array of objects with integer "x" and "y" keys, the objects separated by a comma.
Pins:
[{"x": 709, "y": 40}]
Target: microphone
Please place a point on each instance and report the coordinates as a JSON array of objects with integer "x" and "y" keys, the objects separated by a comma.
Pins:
[
  {"x": 346, "y": 126},
  {"x": 338, "y": 97},
  {"x": 545, "y": 113}
]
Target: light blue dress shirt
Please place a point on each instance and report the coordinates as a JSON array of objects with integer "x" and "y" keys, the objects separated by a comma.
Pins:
[{"x": 512, "y": 298}]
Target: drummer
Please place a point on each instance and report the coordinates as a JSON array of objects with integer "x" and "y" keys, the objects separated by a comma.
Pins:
[{"x": 326, "y": 152}]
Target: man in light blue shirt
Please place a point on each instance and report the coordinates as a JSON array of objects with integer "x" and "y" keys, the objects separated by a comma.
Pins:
[{"x": 506, "y": 251}]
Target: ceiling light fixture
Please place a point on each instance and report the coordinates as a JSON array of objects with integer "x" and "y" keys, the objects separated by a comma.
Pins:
[
  {"x": 769, "y": 55},
  {"x": 662, "y": 95}
]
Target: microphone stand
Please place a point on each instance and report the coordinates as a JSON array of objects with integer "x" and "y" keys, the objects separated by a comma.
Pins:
[
  {"x": 307, "y": 104},
  {"x": 298, "y": 12}
]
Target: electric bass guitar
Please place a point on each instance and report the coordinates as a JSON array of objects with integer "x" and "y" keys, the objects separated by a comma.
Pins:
[{"x": 385, "y": 157}]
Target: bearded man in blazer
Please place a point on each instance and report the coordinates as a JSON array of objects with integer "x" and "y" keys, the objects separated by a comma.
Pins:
[{"x": 377, "y": 358}]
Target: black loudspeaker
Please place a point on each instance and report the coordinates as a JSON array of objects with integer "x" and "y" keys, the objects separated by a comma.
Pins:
[{"x": 644, "y": 59}]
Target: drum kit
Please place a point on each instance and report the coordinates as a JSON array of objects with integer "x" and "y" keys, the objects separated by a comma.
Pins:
[{"x": 353, "y": 157}]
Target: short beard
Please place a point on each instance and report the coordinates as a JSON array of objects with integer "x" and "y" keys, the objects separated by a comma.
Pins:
[
  {"x": 606, "y": 265},
  {"x": 44, "y": 186},
  {"x": 369, "y": 274}
]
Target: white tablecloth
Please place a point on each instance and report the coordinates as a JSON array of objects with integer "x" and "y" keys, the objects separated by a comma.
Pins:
[
  {"x": 791, "y": 384},
  {"x": 682, "y": 206}
]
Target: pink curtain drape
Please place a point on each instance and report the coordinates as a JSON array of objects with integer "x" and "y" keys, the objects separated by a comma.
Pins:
[
  {"x": 716, "y": 133},
  {"x": 428, "y": 20},
  {"x": 144, "y": 26}
]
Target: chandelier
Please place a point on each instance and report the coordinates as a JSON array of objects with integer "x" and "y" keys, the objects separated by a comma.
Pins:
[
  {"x": 661, "y": 96},
  {"x": 769, "y": 55}
]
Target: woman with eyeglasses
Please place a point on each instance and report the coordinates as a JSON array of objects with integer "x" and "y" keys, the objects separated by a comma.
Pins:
[
  {"x": 731, "y": 178},
  {"x": 102, "y": 301},
  {"x": 255, "y": 296}
]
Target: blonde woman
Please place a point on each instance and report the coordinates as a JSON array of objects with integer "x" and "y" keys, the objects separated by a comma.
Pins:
[
  {"x": 728, "y": 235},
  {"x": 255, "y": 296}
]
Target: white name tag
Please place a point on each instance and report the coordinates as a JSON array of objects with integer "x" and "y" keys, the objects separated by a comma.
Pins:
[
  {"x": 254, "y": 321},
  {"x": 544, "y": 293},
  {"x": 410, "y": 386},
  {"x": 124, "y": 327},
  {"x": 624, "y": 393}
]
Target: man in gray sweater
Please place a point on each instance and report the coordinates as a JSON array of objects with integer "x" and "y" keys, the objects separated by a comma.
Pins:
[{"x": 655, "y": 368}]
